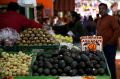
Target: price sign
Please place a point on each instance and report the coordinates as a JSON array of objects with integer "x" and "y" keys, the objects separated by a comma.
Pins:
[
  {"x": 67, "y": 77},
  {"x": 91, "y": 43},
  {"x": 89, "y": 77}
]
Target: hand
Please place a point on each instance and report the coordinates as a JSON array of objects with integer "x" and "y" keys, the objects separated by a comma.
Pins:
[{"x": 70, "y": 33}]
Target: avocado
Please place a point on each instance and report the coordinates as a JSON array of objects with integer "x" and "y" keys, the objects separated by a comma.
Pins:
[
  {"x": 73, "y": 72},
  {"x": 94, "y": 71},
  {"x": 48, "y": 65},
  {"x": 97, "y": 66},
  {"x": 46, "y": 71},
  {"x": 63, "y": 74},
  {"x": 88, "y": 71},
  {"x": 81, "y": 72},
  {"x": 85, "y": 57},
  {"x": 67, "y": 69},
  {"x": 61, "y": 63},
  {"x": 53, "y": 71},
  {"x": 60, "y": 71},
  {"x": 55, "y": 66},
  {"x": 74, "y": 64},
  {"x": 68, "y": 59},
  {"x": 41, "y": 64},
  {"x": 59, "y": 57},
  {"x": 35, "y": 74},
  {"x": 40, "y": 70},
  {"x": 101, "y": 71},
  {"x": 34, "y": 67},
  {"x": 81, "y": 64}
]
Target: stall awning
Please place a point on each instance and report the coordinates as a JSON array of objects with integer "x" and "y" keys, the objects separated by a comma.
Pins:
[{"x": 64, "y": 5}]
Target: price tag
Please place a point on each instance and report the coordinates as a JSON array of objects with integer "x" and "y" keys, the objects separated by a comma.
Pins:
[
  {"x": 91, "y": 43},
  {"x": 67, "y": 77},
  {"x": 89, "y": 77}
]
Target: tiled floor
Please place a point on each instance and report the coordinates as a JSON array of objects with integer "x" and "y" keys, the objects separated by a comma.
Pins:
[
  {"x": 118, "y": 68},
  {"x": 118, "y": 65}
]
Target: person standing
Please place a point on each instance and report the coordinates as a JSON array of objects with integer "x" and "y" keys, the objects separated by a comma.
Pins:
[
  {"x": 109, "y": 29},
  {"x": 75, "y": 27},
  {"x": 14, "y": 20}
]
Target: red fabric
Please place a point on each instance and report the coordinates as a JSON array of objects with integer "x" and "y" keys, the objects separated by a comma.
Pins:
[
  {"x": 64, "y": 5},
  {"x": 16, "y": 21}
]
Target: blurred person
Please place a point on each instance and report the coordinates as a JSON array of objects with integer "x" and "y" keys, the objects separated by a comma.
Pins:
[
  {"x": 14, "y": 20},
  {"x": 96, "y": 19},
  {"x": 76, "y": 28},
  {"x": 108, "y": 28},
  {"x": 91, "y": 26},
  {"x": 2, "y": 10}
]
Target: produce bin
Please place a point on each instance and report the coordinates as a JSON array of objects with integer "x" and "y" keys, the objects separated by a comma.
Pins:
[
  {"x": 33, "y": 55},
  {"x": 36, "y": 77},
  {"x": 49, "y": 53},
  {"x": 43, "y": 47},
  {"x": 17, "y": 48}
]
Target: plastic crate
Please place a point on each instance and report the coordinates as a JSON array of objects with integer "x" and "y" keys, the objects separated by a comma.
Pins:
[
  {"x": 36, "y": 77},
  {"x": 28, "y": 53},
  {"x": 43, "y": 47}
]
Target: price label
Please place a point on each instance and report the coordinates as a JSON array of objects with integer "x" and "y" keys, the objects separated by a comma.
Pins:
[
  {"x": 67, "y": 77},
  {"x": 89, "y": 77},
  {"x": 91, "y": 43}
]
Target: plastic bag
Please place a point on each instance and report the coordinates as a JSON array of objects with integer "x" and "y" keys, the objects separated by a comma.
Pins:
[{"x": 9, "y": 35}]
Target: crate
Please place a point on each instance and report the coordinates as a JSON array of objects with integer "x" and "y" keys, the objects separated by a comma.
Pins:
[
  {"x": 17, "y": 48},
  {"x": 42, "y": 47},
  {"x": 28, "y": 53}
]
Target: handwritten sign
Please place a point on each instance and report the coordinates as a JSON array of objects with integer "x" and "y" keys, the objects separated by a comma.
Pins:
[{"x": 91, "y": 43}]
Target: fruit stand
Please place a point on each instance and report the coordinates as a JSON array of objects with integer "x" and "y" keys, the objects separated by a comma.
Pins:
[{"x": 38, "y": 55}]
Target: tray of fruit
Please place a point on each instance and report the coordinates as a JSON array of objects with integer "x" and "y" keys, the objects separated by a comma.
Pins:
[
  {"x": 16, "y": 63},
  {"x": 71, "y": 62}
]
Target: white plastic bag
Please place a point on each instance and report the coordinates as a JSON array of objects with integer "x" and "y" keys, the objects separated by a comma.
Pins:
[
  {"x": 9, "y": 35},
  {"x": 70, "y": 33}
]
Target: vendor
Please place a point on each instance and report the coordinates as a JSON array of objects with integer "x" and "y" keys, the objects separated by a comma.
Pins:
[{"x": 14, "y": 20}]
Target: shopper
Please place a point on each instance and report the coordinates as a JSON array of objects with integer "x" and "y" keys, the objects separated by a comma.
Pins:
[
  {"x": 96, "y": 19},
  {"x": 109, "y": 29},
  {"x": 14, "y": 20},
  {"x": 91, "y": 26},
  {"x": 76, "y": 28}
]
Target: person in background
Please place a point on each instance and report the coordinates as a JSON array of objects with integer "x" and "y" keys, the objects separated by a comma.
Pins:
[
  {"x": 14, "y": 20},
  {"x": 2, "y": 10},
  {"x": 91, "y": 26},
  {"x": 76, "y": 28},
  {"x": 108, "y": 28},
  {"x": 96, "y": 19}
]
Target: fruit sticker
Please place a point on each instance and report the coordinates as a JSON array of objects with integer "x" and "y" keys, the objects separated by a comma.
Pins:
[
  {"x": 91, "y": 43},
  {"x": 89, "y": 77}
]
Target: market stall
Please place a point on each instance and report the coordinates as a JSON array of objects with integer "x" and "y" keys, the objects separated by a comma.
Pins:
[{"x": 40, "y": 55}]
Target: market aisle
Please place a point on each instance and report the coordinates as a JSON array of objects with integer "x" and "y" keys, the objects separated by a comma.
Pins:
[{"x": 118, "y": 65}]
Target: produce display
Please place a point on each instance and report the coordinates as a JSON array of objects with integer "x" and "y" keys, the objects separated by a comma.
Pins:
[
  {"x": 15, "y": 64},
  {"x": 36, "y": 37},
  {"x": 61, "y": 38},
  {"x": 70, "y": 62}
]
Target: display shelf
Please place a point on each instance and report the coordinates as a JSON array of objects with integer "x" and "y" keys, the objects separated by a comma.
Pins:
[
  {"x": 36, "y": 77},
  {"x": 17, "y": 48},
  {"x": 50, "y": 52}
]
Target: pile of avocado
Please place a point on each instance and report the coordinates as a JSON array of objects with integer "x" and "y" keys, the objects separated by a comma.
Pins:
[
  {"x": 70, "y": 62},
  {"x": 36, "y": 37}
]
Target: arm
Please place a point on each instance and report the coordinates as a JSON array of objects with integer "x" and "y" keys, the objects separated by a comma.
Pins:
[
  {"x": 30, "y": 23},
  {"x": 116, "y": 29},
  {"x": 78, "y": 29}
]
